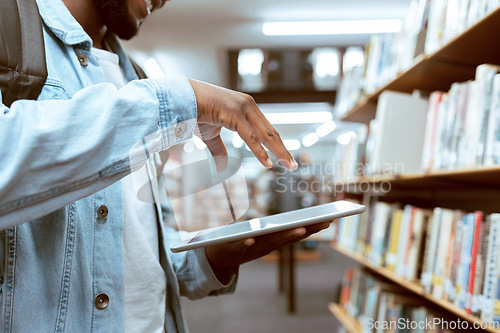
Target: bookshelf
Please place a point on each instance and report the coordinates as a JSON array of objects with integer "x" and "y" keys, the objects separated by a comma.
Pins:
[
  {"x": 472, "y": 189},
  {"x": 413, "y": 287},
  {"x": 350, "y": 324},
  {"x": 454, "y": 62},
  {"x": 468, "y": 189}
]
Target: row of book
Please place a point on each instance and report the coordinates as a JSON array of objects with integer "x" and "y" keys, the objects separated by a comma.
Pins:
[
  {"x": 429, "y": 25},
  {"x": 456, "y": 129},
  {"x": 448, "y": 18},
  {"x": 453, "y": 254},
  {"x": 463, "y": 124},
  {"x": 383, "y": 307}
]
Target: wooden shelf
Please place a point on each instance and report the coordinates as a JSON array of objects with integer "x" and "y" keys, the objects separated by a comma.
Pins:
[
  {"x": 411, "y": 286},
  {"x": 481, "y": 177},
  {"x": 350, "y": 324},
  {"x": 469, "y": 189},
  {"x": 454, "y": 62}
]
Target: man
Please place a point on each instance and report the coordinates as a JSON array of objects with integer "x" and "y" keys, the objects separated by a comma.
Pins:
[{"x": 79, "y": 252}]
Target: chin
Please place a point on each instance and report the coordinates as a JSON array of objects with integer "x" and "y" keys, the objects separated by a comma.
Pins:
[{"x": 124, "y": 29}]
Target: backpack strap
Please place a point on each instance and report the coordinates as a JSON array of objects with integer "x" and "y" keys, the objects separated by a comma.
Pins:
[
  {"x": 138, "y": 70},
  {"x": 23, "y": 69}
]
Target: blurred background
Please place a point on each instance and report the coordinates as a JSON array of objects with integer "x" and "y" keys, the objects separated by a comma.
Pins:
[{"x": 295, "y": 74}]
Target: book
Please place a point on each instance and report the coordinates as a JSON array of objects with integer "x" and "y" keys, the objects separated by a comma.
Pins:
[
  {"x": 448, "y": 286},
  {"x": 484, "y": 78},
  {"x": 478, "y": 218},
  {"x": 463, "y": 300},
  {"x": 490, "y": 288},
  {"x": 430, "y": 130},
  {"x": 381, "y": 218},
  {"x": 415, "y": 255},
  {"x": 398, "y": 144},
  {"x": 404, "y": 240},
  {"x": 431, "y": 245},
  {"x": 436, "y": 25},
  {"x": 477, "y": 297},
  {"x": 492, "y": 149},
  {"x": 457, "y": 252},
  {"x": 442, "y": 250},
  {"x": 392, "y": 250}
]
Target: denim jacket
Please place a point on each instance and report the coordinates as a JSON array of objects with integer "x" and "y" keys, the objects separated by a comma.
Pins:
[{"x": 61, "y": 161}]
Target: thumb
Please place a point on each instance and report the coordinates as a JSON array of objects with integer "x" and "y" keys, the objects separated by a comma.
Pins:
[
  {"x": 219, "y": 152},
  {"x": 242, "y": 245}
]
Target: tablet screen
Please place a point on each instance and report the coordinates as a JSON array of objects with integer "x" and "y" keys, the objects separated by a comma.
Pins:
[{"x": 283, "y": 221}]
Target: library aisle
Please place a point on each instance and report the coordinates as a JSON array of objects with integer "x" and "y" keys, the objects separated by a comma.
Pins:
[{"x": 256, "y": 306}]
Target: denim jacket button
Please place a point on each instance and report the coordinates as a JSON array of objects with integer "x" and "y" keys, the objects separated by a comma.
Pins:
[
  {"x": 83, "y": 59},
  {"x": 180, "y": 129},
  {"x": 101, "y": 301},
  {"x": 102, "y": 212}
]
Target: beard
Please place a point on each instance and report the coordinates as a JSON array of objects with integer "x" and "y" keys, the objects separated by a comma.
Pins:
[{"x": 116, "y": 17}]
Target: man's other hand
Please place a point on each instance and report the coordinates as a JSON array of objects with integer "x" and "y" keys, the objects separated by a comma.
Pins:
[{"x": 225, "y": 258}]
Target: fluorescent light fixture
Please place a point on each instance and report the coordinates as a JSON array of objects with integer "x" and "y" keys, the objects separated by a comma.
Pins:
[
  {"x": 153, "y": 69},
  {"x": 299, "y": 117},
  {"x": 345, "y": 138},
  {"x": 250, "y": 61},
  {"x": 292, "y": 144},
  {"x": 237, "y": 140},
  {"x": 326, "y": 128},
  {"x": 310, "y": 139},
  {"x": 331, "y": 27}
]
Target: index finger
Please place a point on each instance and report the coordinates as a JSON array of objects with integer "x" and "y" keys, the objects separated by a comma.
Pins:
[{"x": 271, "y": 138}]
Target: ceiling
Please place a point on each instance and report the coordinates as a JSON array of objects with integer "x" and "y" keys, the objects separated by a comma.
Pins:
[
  {"x": 193, "y": 31},
  {"x": 237, "y": 22}
]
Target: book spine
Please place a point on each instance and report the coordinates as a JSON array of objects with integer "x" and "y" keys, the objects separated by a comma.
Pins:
[
  {"x": 466, "y": 261},
  {"x": 484, "y": 77},
  {"x": 392, "y": 255},
  {"x": 442, "y": 253},
  {"x": 447, "y": 284},
  {"x": 430, "y": 250},
  {"x": 477, "y": 298},
  {"x": 492, "y": 154},
  {"x": 457, "y": 252},
  {"x": 416, "y": 244},
  {"x": 491, "y": 270},
  {"x": 430, "y": 130},
  {"x": 478, "y": 218},
  {"x": 404, "y": 241}
]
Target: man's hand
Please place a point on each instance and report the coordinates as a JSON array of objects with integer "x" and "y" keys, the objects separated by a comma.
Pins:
[
  {"x": 225, "y": 258},
  {"x": 219, "y": 107}
]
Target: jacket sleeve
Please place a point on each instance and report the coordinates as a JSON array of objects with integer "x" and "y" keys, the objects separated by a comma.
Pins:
[
  {"x": 55, "y": 152},
  {"x": 194, "y": 274}
]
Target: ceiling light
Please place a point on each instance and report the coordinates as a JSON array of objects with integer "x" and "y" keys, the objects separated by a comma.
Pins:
[
  {"x": 326, "y": 128},
  {"x": 292, "y": 144},
  {"x": 331, "y": 27},
  {"x": 310, "y": 139},
  {"x": 345, "y": 139},
  {"x": 299, "y": 117}
]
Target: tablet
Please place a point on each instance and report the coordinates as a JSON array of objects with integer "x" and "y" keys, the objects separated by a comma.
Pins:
[{"x": 269, "y": 224}]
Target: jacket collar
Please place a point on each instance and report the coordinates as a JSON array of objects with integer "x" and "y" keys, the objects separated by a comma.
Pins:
[{"x": 63, "y": 25}]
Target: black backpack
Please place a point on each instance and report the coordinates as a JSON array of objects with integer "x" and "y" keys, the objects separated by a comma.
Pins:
[{"x": 23, "y": 68}]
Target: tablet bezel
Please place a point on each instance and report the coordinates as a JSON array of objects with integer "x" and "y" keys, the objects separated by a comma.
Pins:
[{"x": 308, "y": 216}]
